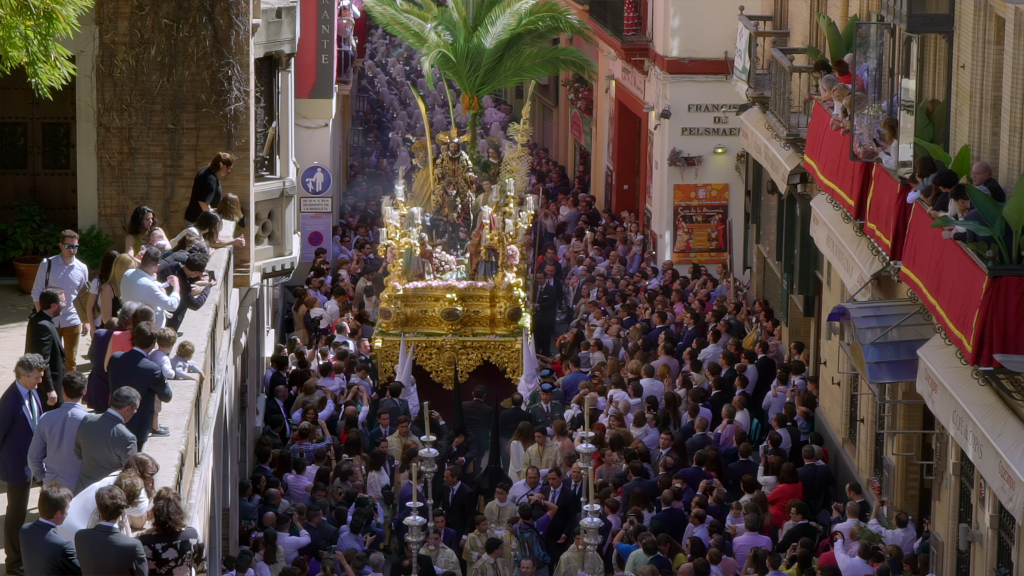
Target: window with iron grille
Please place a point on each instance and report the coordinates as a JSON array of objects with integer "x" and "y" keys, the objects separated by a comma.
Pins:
[
  {"x": 265, "y": 109},
  {"x": 880, "y": 424},
  {"x": 966, "y": 513},
  {"x": 1007, "y": 539},
  {"x": 853, "y": 387}
]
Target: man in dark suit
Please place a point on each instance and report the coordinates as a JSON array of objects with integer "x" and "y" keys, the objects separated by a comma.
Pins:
[
  {"x": 700, "y": 439},
  {"x": 556, "y": 537},
  {"x": 549, "y": 294},
  {"x": 737, "y": 470},
  {"x": 478, "y": 418},
  {"x": 666, "y": 448},
  {"x": 458, "y": 502},
  {"x": 135, "y": 369},
  {"x": 383, "y": 428},
  {"x": 635, "y": 479},
  {"x": 508, "y": 421},
  {"x": 44, "y": 551},
  {"x": 720, "y": 396},
  {"x": 278, "y": 373},
  {"x": 766, "y": 373},
  {"x": 278, "y": 404},
  {"x": 103, "y": 443},
  {"x": 856, "y": 493},
  {"x": 798, "y": 513},
  {"x": 671, "y": 521},
  {"x": 392, "y": 403},
  {"x": 43, "y": 339},
  {"x": 817, "y": 481},
  {"x": 103, "y": 550},
  {"x": 695, "y": 474},
  {"x": 20, "y": 409}
]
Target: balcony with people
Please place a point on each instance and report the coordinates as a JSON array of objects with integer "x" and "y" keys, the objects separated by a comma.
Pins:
[{"x": 944, "y": 220}]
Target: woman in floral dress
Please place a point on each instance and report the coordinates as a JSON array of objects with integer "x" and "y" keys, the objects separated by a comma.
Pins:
[{"x": 169, "y": 544}]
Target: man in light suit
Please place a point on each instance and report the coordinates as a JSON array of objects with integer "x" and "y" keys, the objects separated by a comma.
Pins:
[
  {"x": 51, "y": 456},
  {"x": 134, "y": 368},
  {"x": 20, "y": 409},
  {"x": 103, "y": 550},
  {"x": 45, "y": 552},
  {"x": 479, "y": 418},
  {"x": 44, "y": 339},
  {"x": 103, "y": 443}
]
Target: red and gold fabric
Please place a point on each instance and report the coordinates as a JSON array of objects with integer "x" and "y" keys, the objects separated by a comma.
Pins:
[
  {"x": 827, "y": 158},
  {"x": 886, "y": 212}
]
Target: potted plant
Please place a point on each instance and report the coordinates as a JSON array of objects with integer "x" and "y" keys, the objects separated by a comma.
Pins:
[{"x": 25, "y": 239}]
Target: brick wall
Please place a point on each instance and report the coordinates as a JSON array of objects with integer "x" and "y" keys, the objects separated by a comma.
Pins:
[{"x": 172, "y": 89}]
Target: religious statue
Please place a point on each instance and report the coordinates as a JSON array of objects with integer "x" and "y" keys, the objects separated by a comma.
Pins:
[{"x": 453, "y": 190}]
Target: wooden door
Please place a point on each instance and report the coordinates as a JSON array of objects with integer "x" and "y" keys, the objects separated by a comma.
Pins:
[{"x": 37, "y": 149}]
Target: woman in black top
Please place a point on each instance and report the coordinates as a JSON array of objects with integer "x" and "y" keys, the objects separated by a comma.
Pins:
[
  {"x": 170, "y": 545},
  {"x": 206, "y": 190}
]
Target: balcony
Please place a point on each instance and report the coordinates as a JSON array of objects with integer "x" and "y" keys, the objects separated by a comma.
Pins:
[
  {"x": 975, "y": 304},
  {"x": 827, "y": 158},
  {"x": 757, "y": 84},
  {"x": 611, "y": 16},
  {"x": 788, "y": 107}
]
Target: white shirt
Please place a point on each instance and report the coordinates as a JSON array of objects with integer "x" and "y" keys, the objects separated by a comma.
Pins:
[
  {"x": 845, "y": 527},
  {"x": 902, "y": 537},
  {"x": 741, "y": 545},
  {"x": 82, "y": 509},
  {"x": 654, "y": 387},
  {"x": 520, "y": 490},
  {"x": 333, "y": 310},
  {"x": 291, "y": 544},
  {"x": 161, "y": 359},
  {"x": 751, "y": 374},
  {"x": 851, "y": 565},
  {"x": 743, "y": 419},
  {"x": 297, "y": 486},
  {"x": 73, "y": 278},
  {"x": 138, "y": 286},
  {"x": 331, "y": 384},
  {"x": 774, "y": 404},
  {"x": 710, "y": 355}
]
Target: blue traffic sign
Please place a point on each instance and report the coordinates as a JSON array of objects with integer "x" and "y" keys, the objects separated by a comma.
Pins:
[{"x": 316, "y": 180}]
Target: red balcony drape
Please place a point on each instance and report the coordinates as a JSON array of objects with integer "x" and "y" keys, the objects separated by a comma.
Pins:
[
  {"x": 886, "y": 212},
  {"x": 827, "y": 159},
  {"x": 979, "y": 312}
]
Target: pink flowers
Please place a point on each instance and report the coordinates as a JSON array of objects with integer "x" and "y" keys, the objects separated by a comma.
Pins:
[{"x": 512, "y": 255}]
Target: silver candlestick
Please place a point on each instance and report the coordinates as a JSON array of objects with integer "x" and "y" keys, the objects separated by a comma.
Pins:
[
  {"x": 591, "y": 523},
  {"x": 415, "y": 536},
  {"x": 428, "y": 465}
]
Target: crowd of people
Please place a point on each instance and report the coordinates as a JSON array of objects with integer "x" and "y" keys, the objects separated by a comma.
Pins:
[{"x": 83, "y": 436}]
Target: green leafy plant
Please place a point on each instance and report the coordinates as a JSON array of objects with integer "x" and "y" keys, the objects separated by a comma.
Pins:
[
  {"x": 839, "y": 43},
  {"x": 961, "y": 164},
  {"x": 28, "y": 233},
  {"x": 998, "y": 220},
  {"x": 486, "y": 45},
  {"x": 94, "y": 244},
  {"x": 30, "y": 33},
  {"x": 867, "y": 536}
]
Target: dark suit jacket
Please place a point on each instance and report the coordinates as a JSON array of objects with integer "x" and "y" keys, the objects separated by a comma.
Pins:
[
  {"x": 793, "y": 536},
  {"x": 694, "y": 475},
  {"x": 718, "y": 399},
  {"x": 376, "y": 434},
  {"x": 103, "y": 551},
  {"x": 133, "y": 368},
  {"x": 561, "y": 524},
  {"x": 687, "y": 431},
  {"x": 817, "y": 481},
  {"x": 461, "y": 511},
  {"x": 45, "y": 552},
  {"x": 276, "y": 379},
  {"x": 396, "y": 410},
  {"x": 671, "y": 521},
  {"x": 734, "y": 473},
  {"x": 44, "y": 340},
  {"x": 548, "y": 298},
  {"x": 272, "y": 408},
  {"x": 766, "y": 372},
  {"x": 104, "y": 445},
  {"x": 478, "y": 418},
  {"x": 696, "y": 443},
  {"x": 509, "y": 420},
  {"x": 188, "y": 301},
  {"x": 16, "y": 432}
]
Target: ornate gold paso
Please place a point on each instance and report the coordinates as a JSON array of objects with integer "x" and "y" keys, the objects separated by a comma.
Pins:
[{"x": 439, "y": 355}]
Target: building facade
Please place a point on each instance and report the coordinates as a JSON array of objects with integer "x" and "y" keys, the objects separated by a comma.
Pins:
[{"x": 917, "y": 402}]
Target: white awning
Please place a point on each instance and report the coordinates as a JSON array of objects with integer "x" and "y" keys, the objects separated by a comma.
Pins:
[
  {"x": 849, "y": 254},
  {"x": 763, "y": 147},
  {"x": 977, "y": 418}
]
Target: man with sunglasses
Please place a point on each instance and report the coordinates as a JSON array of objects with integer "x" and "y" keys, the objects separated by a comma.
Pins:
[{"x": 67, "y": 272}]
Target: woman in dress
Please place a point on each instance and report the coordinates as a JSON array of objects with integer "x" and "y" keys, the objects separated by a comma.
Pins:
[
  {"x": 132, "y": 314},
  {"x": 170, "y": 543},
  {"x": 141, "y": 224},
  {"x": 521, "y": 440},
  {"x": 94, "y": 308}
]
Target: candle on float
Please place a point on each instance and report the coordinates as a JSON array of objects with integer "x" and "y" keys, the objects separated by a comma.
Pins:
[
  {"x": 415, "y": 489},
  {"x": 591, "y": 473},
  {"x": 426, "y": 418},
  {"x": 586, "y": 418}
]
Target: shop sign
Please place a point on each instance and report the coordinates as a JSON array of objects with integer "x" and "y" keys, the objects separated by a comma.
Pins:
[
  {"x": 741, "y": 64},
  {"x": 576, "y": 125},
  {"x": 699, "y": 217},
  {"x": 709, "y": 131},
  {"x": 630, "y": 78}
]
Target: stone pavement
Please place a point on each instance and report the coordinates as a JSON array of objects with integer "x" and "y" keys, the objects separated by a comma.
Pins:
[{"x": 15, "y": 308}]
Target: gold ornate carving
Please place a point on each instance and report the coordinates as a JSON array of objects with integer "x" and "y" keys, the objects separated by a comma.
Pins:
[
  {"x": 461, "y": 311},
  {"x": 439, "y": 354}
]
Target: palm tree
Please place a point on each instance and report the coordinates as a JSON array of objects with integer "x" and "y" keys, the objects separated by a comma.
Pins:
[{"x": 486, "y": 45}]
